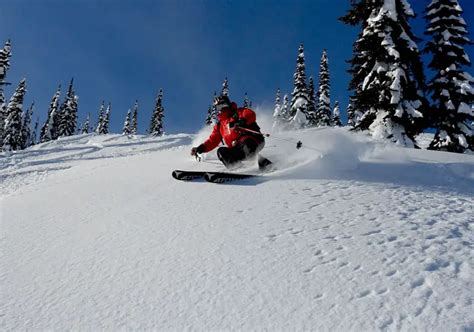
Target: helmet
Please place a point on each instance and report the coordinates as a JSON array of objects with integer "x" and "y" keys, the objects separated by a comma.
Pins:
[{"x": 221, "y": 102}]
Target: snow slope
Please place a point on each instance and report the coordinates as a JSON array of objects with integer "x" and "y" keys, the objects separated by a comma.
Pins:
[{"x": 349, "y": 234}]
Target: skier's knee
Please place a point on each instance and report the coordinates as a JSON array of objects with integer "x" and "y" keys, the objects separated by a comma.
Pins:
[
  {"x": 252, "y": 147},
  {"x": 222, "y": 153},
  {"x": 225, "y": 156}
]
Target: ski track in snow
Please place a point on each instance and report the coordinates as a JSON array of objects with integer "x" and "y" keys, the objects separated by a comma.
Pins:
[{"x": 96, "y": 235}]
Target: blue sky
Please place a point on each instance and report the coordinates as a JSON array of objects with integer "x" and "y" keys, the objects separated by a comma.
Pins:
[{"x": 123, "y": 50}]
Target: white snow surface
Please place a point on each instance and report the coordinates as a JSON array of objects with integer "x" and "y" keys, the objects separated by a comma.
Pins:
[{"x": 348, "y": 234}]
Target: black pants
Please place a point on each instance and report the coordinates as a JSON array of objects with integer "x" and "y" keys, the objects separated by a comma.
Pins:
[{"x": 248, "y": 148}]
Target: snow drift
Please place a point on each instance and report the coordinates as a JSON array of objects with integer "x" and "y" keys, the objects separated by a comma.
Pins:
[{"x": 347, "y": 234}]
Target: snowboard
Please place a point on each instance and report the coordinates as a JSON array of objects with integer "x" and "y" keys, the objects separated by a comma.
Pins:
[{"x": 213, "y": 177}]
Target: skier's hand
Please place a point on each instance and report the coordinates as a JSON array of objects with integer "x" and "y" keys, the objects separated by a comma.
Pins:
[{"x": 197, "y": 150}]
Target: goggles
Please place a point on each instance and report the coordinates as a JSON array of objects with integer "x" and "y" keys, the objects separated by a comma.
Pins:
[{"x": 220, "y": 107}]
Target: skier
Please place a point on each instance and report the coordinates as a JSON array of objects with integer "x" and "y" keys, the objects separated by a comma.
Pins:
[{"x": 238, "y": 129}]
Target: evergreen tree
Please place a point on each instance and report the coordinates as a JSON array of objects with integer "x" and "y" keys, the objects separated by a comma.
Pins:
[
  {"x": 358, "y": 15},
  {"x": 212, "y": 112},
  {"x": 209, "y": 116},
  {"x": 156, "y": 125},
  {"x": 13, "y": 122},
  {"x": 135, "y": 118},
  {"x": 285, "y": 109},
  {"x": 100, "y": 129},
  {"x": 247, "y": 102},
  {"x": 105, "y": 129},
  {"x": 34, "y": 136},
  {"x": 299, "y": 102},
  {"x": 471, "y": 142},
  {"x": 391, "y": 93},
  {"x": 352, "y": 115},
  {"x": 225, "y": 88},
  {"x": 312, "y": 103},
  {"x": 86, "y": 127},
  {"x": 278, "y": 119},
  {"x": 26, "y": 128},
  {"x": 336, "y": 115},
  {"x": 451, "y": 87},
  {"x": 68, "y": 114},
  {"x": 323, "y": 112},
  {"x": 74, "y": 103},
  {"x": 5, "y": 55},
  {"x": 3, "y": 114},
  {"x": 50, "y": 128},
  {"x": 359, "y": 12},
  {"x": 127, "y": 125}
]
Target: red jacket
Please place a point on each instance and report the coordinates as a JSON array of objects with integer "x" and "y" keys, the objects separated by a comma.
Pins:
[{"x": 231, "y": 136}]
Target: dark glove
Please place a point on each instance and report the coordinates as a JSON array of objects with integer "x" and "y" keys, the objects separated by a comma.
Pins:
[{"x": 197, "y": 150}]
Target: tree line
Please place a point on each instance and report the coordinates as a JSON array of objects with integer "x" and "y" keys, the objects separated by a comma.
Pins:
[
  {"x": 17, "y": 132},
  {"x": 390, "y": 96}
]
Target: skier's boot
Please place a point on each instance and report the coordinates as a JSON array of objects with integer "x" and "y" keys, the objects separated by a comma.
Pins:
[{"x": 264, "y": 164}]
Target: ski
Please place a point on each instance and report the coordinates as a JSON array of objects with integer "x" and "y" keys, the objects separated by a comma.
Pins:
[
  {"x": 213, "y": 177},
  {"x": 222, "y": 177},
  {"x": 187, "y": 175}
]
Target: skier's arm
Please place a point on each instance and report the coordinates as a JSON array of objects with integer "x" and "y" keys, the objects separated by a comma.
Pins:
[
  {"x": 249, "y": 116},
  {"x": 213, "y": 141}
]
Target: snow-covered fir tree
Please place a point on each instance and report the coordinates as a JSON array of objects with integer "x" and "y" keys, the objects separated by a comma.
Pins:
[
  {"x": 225, "y": 88},
  {"x": 285, "y": 109},
  {"x": 212, "y": 112},
  {"x": 471, "y": 142},
  {"x": 135, "y": 118},
  {"x": 50, "y": 128},
  {"x": 26, "y": 127},
  {"x": 74, "y": 104},
  {"x": 358, "y": 15},
  {"x": 13, "y": 122},
  {"x": 336, "y": 115},
  {"x": 247, "y": 102},
  {"x": 311, "y": 103},
  {"x": 209, "y": 117},
  {"x": 34, "y": 135},
  {"x": 86, "y": 126},
  {"x": 102, "y": 126},
  {"x": 359, "y": 12},
  {"x": 353, "y": 116},
  {"x": 68, "y": 113},
  {"x": 323, "y": 111},
  {"x": 5, "y": 54},
  {"x": 391, "y": 93},
  {"x": 127, "y": 124},
  {"x": 451, "y": 87},
  {"x": 156, "y": 124},
  {"x": 106, "y": 129},
  {"x": 299, "y": 101},
  {"x": 3, "y": 114},
  {"x": 278, "y": 120}
]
